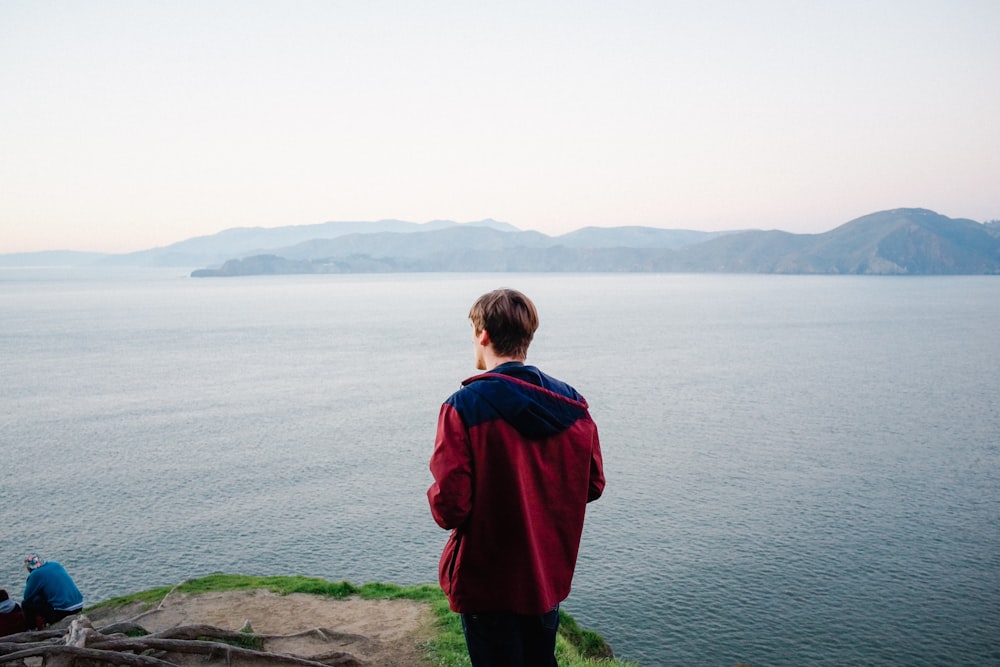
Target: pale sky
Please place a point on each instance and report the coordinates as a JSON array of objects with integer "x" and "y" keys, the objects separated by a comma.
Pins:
[{"x": 132, "y": 124}]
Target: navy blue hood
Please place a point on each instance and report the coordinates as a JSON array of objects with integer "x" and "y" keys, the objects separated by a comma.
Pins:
[{"x": 537, "y": 405}]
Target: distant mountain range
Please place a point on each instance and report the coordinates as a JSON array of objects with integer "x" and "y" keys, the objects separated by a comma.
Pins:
[{"x": 908, "y": 241}]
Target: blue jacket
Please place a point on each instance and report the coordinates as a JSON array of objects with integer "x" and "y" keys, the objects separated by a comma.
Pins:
[{"x": 52, "y": 584}]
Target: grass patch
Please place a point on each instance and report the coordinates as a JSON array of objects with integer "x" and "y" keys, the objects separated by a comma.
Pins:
[
  {"x": 575, "y": 646},
  {"x": 248, "y": 640}
]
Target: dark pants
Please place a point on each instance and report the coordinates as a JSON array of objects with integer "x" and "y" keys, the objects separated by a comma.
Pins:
[
  {"x": 511, "y": 640},
  {"x": 39, "y": 614}
]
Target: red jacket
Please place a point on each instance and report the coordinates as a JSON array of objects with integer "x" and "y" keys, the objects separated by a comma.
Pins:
[
  {"x": 11, "y": 618},
  {"x": 515, "y": 462}
]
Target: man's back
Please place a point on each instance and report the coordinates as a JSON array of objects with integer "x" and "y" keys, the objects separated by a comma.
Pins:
[
  {"x": 51, "y": 583},
  {"x": 517, "y": 459}
]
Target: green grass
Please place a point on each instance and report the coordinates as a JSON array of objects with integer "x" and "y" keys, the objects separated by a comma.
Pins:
[{"x": 575, "y": 646}]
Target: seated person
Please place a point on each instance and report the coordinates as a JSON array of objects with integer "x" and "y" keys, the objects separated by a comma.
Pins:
[
  {"x": 11, "y": 616},
  {"x": 50, "y": 594}
]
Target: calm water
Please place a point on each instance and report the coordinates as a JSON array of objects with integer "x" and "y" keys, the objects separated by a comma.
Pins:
[{"x": 801, "y": 470}]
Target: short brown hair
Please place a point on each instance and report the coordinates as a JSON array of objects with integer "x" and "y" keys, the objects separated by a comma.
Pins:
[{"x": 509, "y": 317}]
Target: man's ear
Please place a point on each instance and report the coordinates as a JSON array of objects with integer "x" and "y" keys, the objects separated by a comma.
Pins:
[{"x": 483, "y": 338}]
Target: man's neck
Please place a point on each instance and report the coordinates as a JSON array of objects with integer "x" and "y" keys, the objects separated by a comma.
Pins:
[
  {"x": 494, "y": 361},
  {"x": 507, "y": 361}
]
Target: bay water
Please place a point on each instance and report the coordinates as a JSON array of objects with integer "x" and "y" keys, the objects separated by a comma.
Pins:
[{"x": 802, "y": 470}]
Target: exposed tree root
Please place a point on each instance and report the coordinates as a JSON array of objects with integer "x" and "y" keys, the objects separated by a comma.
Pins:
[{"x": 128, "y": 643}]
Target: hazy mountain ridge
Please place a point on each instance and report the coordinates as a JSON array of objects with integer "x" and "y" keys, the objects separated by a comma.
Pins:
[
  {"x": 906, "y": 241},
  {"x": 361, "y": 238},
  {"x": 899, "y": 241},
  {"x": 634, "y": 237},
  {"x": 249, "y": 241},
  {"x": 389, "y": 244},
  {"x": 895, "y": 242}
]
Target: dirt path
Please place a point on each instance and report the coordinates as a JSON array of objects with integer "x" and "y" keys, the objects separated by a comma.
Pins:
[{"x": 382, "y": 633}]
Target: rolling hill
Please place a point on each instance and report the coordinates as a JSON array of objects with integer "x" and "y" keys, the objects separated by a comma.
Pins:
[
  {"x": 907, "y": 241},
  {"x": 903, "y": 241}
]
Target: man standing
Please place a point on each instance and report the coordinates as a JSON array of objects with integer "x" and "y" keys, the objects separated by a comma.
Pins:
[{"x": 515, "y": 462}]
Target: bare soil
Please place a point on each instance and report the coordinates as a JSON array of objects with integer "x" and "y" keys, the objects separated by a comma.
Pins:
[{"x": 379, "y": 633}]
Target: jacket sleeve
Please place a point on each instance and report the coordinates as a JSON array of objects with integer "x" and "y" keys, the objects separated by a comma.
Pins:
[
  {"x": 596, "y": 470},
  {"x": 31, "y": 588},
  {"x": 450, "y": 496}
]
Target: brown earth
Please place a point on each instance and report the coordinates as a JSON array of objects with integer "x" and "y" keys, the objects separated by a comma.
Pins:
[{"x": 380, "y": 633}]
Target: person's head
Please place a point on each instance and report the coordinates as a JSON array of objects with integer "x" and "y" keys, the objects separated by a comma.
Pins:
[
  {"x": 509, "y": 319},
  {"x": 32, "y": 562},
  {"x": 3, "y": 595}
]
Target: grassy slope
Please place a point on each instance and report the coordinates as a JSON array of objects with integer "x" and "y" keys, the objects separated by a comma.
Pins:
[{"x": 576, "y": 647}]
